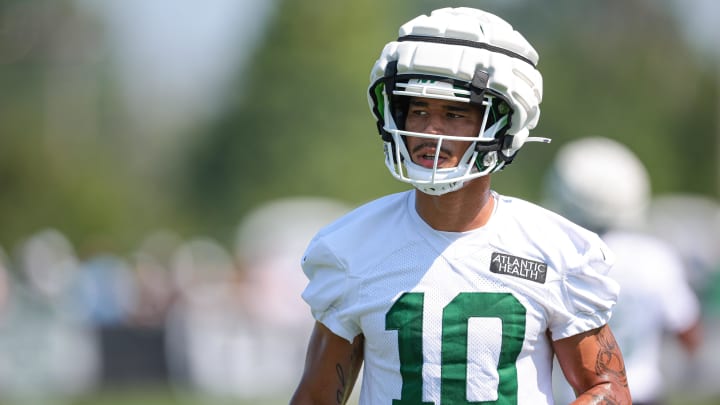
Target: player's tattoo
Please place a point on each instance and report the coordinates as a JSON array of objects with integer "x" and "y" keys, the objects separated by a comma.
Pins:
[
  {"x": 604, "y": 400},
  {"x": 340, "y": 394},
  {"x": 345, "y": 385},
  {"x": 609, "y": 360}
]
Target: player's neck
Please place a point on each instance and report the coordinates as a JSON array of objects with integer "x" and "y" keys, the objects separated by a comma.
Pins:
[{"x": 459, "y": 211}]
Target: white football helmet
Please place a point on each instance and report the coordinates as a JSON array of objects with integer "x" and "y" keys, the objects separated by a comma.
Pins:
[
  {"x": 458, "y": 54},
  {"x": 598, "y": 183}
]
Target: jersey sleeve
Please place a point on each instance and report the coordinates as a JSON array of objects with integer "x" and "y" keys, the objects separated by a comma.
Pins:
[
  {"x": 326, "y": 292},
  {"x": 587, "y": 294}
]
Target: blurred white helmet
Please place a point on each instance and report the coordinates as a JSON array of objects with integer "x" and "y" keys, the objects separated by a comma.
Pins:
[
  {"x": 598, "y": 183},
  {"x": 458, "y": 54}
]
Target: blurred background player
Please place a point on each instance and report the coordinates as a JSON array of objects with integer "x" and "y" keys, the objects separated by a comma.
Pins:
[
  {"x": 239, "y": 327},
  {"x": 603, "y": 186}
]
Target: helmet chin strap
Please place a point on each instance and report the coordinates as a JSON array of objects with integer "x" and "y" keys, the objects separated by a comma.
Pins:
[
  {"x": 491, "y": 133},
  {"x": 440, "y": 189}
]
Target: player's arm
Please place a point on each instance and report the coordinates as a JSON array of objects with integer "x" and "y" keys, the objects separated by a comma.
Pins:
[
  {"x": 594, "y": 367},
  {"x": 691, "y": 338},
  {"x": 332, "y": 365}
]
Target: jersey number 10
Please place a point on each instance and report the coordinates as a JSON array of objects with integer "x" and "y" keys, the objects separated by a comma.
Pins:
[{"x": 406, "y": 316}]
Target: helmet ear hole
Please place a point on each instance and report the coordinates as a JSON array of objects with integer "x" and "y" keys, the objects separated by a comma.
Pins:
[
  {"x": 400, "y": 107},
  {"x": 499, "y": 108}
]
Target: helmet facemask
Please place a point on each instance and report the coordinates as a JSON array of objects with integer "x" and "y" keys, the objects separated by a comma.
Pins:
[{"x": 482, "y": 154}]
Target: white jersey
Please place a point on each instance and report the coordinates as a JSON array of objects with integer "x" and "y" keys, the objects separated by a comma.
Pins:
[
  {"x": 452, "y": 318},
  {"x": 656, "y": 298}
]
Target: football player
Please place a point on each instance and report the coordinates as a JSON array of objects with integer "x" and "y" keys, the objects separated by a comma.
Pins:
[{"x": 453, "y": 293}]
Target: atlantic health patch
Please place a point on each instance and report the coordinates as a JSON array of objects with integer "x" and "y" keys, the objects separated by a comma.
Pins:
[{"x": 518, "y": 267}]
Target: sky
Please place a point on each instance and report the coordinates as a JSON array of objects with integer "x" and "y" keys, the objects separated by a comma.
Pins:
[
  {"x": 175, "y": 57},
  {"x": 700, "y": 20}
]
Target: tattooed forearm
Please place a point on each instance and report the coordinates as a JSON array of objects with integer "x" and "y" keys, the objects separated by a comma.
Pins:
[
  {"x": 340, "y": 394},
  {"x": 609, "y": 386},
  {"x": 609, "y": 359},
  {"x": 594, "y": 366},
  {"x": 347, "y": 373},
  {"x": 600, "y": 395},
  {"x": 604, "y": 400}
]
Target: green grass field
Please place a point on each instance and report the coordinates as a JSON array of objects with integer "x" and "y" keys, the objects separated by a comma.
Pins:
[{"x": 145, "y": 396}]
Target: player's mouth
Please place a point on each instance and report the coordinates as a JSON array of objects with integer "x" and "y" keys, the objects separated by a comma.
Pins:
[{"x": 424, "y": 155}]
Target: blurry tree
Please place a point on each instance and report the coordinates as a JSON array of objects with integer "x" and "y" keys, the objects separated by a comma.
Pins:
[
  {"x": 63, "y": 158},
  {"x": 302, "y": 125},
  {"x": 621, "y": 69}
]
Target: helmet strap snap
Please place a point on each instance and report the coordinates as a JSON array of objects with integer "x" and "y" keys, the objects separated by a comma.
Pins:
[{"x": 478, "y": 85}]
